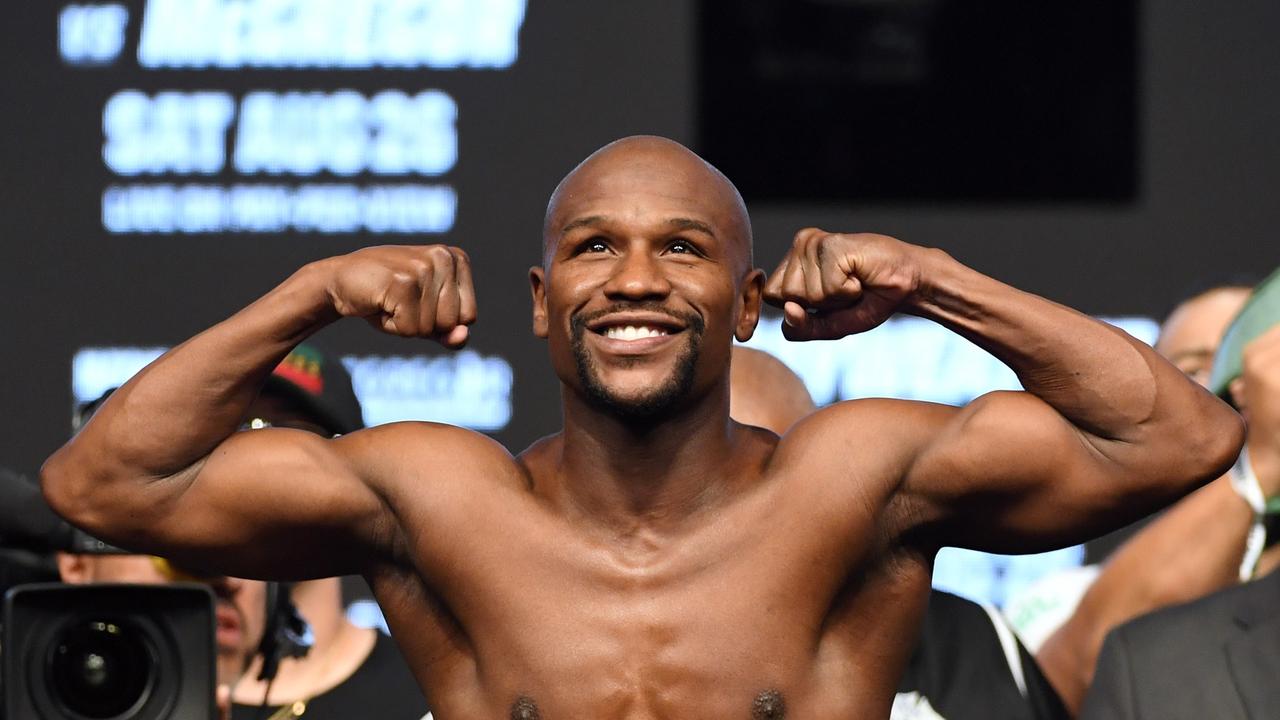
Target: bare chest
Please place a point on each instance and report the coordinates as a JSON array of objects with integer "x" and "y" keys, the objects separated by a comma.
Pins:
[{"x": 743, "y": 619}]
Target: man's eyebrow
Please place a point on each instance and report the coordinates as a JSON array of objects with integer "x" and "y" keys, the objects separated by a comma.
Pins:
[
  {"x": 690, "y": 224},
  {"x": 679, "y": 223},
  {"x": 589, "y": 221}
]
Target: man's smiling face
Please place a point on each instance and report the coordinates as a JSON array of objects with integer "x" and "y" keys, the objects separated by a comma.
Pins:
[{"x": 646, "y": 277}]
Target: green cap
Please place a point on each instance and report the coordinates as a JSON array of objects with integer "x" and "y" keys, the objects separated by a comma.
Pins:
[{"x": 1259, "y": 314}]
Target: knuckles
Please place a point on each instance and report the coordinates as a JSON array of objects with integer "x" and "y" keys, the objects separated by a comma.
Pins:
[
  {"x": 878, "y": 263},
  {"x": 440, "y": 254},
  {"x": 409, "y": 291},
  {"x": 828, "y": 241},
  {"x": 404, "y": 280},
  {"x": 406, "y": 264}
]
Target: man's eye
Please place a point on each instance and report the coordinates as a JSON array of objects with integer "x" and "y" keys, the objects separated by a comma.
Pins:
[
  {"x": 595, "y": 246},
  {"x": 680, "y": 247}
]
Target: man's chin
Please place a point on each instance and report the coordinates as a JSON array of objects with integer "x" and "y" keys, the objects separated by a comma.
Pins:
[
  {"x": 639, "y": 390},
  {"x": 650, "y": 403},
  {"x": 636, "y": 387},
  {"x": 230, "y": 666}
]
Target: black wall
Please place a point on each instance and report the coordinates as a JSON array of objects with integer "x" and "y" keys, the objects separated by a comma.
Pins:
[{"x": 588, "y": 72}]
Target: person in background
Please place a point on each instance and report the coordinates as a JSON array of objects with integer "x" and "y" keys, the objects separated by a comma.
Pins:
[
  {"x": 239, "y": 606},
  {"x": 1189, "y": 337},
  {"x": 1219, "y": 656},
  {"x": 1194, "y": 548},
  {"x": 967, "y": 664},
  {"x": 766, "y": 393},
  {"x": 350, "y": 671},
  {"x": 31, "y": 535},
  {"x": 28, "y": 530}
]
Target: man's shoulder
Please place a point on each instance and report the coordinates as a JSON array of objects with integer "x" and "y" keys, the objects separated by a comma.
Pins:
[
  {"x": 870, "y": 432},
  {"x": 431, "y": 438},
  {"x": 406, "y": 452},
  {"x": 869, "y": 418},
  {"x": 858, "y": 452}
]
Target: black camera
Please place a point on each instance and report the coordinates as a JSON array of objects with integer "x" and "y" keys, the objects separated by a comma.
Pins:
[{"x": 109, "y": 652}]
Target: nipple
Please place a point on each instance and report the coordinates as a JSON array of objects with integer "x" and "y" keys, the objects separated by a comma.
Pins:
[
  {"x": 769, "y": 705},
  {"x": 524, "y": 709}
]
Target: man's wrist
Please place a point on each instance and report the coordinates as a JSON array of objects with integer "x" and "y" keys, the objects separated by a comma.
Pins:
[
  {"x": 1245, "y": 483},
  {"x": 936, "y": 277},
  {"x": 1264, "y": 461},
  {"x": 305, "y": 298}
]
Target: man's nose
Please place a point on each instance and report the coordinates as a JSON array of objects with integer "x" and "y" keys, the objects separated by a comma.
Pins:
[{"x": 638, "y": 275}]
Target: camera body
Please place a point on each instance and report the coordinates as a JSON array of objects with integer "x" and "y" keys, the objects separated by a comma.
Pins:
[{"x": 109, "y": 652}]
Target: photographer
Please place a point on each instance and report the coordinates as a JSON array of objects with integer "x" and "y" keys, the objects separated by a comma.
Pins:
[
  {"x": 238, "y": 608},
  {"x": 39, "y": 547}
]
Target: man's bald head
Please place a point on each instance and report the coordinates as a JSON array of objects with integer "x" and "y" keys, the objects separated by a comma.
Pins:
[
  {"x": 647, "y": 163},
  {"x": 766, "y": 393},
  {"x": 1190, "y": 335}
]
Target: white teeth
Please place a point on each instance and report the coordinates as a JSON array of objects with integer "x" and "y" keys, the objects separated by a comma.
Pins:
[{"x": 631, "y": 332}]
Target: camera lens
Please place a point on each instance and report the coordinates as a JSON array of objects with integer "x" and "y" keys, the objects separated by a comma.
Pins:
[{"x": 101, "y": 668}]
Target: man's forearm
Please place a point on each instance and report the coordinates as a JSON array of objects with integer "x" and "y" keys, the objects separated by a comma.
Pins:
[
  {"x": 180, "y": 407},
  {"x": 1098, "y": 377}
]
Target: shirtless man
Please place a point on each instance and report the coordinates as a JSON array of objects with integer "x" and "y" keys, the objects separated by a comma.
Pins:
[{"x": 653, "y": 559}]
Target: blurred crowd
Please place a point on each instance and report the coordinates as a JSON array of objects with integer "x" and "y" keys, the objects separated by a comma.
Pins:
[{"x": 1183, "y": 620}]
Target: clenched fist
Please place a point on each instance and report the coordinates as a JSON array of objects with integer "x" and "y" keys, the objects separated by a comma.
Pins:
[
  {"x": 831, "y": 285},
  {"x": 414, "y": 291}
]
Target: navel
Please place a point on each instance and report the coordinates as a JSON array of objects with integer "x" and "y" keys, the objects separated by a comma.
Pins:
[
  {"x": 769, "y": 705},
  {"x": 525, "y": 709}
]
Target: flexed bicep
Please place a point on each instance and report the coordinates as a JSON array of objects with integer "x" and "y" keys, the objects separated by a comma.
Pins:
[
  {"x": 1106, "y": 431},
  {"x": 273, "y": 503},
  {"x": 1008, "y": 473},
  {"x": 161, "y": 468}
]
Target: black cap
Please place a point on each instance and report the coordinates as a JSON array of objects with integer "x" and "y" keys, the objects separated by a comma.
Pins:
[{"x": 321, "y": 385}]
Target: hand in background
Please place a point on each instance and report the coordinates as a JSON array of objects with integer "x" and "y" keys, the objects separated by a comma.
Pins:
[{"x": 1260, "y": 395}]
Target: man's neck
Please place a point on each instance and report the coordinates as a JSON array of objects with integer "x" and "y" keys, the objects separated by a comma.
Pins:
[
  {"x": 629, "y": 475},
  {"x": 339, "y": 648},
  {"x": 320, "y": 602}
]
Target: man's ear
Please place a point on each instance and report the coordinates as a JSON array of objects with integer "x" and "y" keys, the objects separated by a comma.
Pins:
[
  {"x": 749, "y": 305},
  {"x": 75, "y": 569},
  {"x": 538, "y": 288}
]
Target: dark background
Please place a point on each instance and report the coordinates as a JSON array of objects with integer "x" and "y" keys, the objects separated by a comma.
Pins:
[
  {"x": 1198, "y": 197},
  {"x": 944, "y": 100}
]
